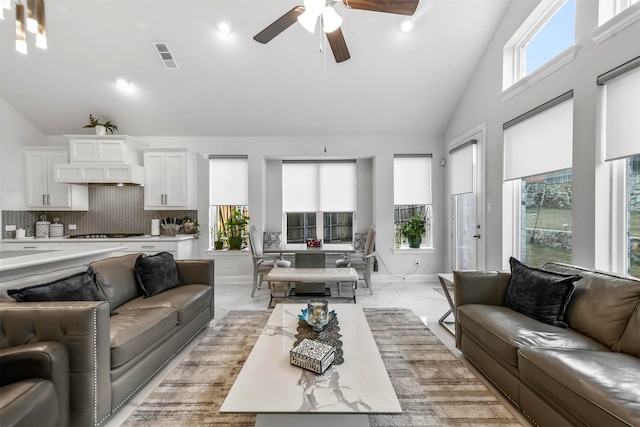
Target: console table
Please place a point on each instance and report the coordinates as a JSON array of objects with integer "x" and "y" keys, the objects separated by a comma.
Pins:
[
  {"x": 285, "y": 395},
  {"x": 312, "y": 275}
]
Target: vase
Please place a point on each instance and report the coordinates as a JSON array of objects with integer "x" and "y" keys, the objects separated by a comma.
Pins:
[
  {"x": 101, "y": 130},
  {"x": 235, "y": 242},
  {"x": 415, "y": 242}
]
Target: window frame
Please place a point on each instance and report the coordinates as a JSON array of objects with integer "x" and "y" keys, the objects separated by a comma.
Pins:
[{"x": 319, "y": 227}]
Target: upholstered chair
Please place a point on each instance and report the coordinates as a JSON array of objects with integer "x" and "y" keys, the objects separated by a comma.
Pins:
[
  {"x": 362, "y": 261},
  {"x": 262, "y": 263}
]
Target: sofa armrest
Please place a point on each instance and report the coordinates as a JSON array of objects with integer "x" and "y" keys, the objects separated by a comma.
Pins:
[
  {"x": 480, "y": 287},
  {"x": 83, "y": 328},
  {"x": 198, "y": 272},
  {"x": 47, "y": 360}
]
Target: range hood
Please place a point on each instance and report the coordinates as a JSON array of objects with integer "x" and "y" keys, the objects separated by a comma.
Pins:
[{"x": 102, "y": 160}]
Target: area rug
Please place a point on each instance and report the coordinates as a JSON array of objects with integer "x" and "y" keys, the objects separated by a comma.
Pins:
[{"x": 433, "y": 386}]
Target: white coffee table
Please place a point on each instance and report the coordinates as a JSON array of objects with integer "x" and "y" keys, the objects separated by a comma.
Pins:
[{"x": 281, "y": 394}]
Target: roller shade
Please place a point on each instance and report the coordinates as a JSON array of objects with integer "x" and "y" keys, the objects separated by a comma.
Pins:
[
  {"x": 462, "y": 167},
  {"x": 228, "y": 180},
  {"x": 412, "y": 179},
  {"x": 622, "y": 115},
  {"x": 542, "y": 142},
  {"x": 319, "y": 186}
]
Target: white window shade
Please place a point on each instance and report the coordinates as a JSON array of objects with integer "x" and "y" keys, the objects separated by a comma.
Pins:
[
  {"x": 542, "y": 143},
  {"x": 412, "y": 180},
  {"x": 622, "y": 118},
  {"x": 462, "y": 165},
  {"x": 337, "y": 187},
  {"x": 228, "y": 181},
  {"x": 319, "y": 186}
]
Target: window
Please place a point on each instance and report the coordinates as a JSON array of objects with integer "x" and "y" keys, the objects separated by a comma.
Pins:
[
  {"x": 621, "y": 107},
  {"x": 228, "y": 195},
  {"x": 607, "y": 9},
  {"x": 412, "y": 195},
  {"x": 316, "y": 193},
  {"x": 538, "y": 151},
  {"x": 544, "y": 35}
]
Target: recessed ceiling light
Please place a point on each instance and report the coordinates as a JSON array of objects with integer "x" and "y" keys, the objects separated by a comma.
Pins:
[
  {"x": 121, "y": 81},
  {"x": 224, "y": 27},
  {"x": 406, "y": 24}
]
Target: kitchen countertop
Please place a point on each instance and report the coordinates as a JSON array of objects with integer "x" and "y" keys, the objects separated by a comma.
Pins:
[{"x": 146, "y": 238}]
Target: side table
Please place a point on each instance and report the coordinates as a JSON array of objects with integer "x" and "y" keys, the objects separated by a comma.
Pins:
[{"x": 446, "y": 281}]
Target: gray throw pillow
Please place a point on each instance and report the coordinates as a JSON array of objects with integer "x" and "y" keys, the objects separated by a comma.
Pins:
[
  {"x": 156, "y": 273},
  {"x": 77, "y": 287},
  {"x": 539, "y": 294}
]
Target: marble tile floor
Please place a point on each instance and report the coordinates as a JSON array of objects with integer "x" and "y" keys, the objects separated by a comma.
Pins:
[{"x": 423, "y": 298}]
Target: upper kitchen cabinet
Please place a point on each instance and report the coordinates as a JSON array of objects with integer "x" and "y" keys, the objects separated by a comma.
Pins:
[
  {"x": 104, "y": 148},
  {"x": 43, "y": 192},
  {"x": 170, "y": 180}
]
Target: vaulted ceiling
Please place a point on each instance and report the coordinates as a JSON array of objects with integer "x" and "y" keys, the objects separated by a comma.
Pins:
[{"x": 394, "y": 83}]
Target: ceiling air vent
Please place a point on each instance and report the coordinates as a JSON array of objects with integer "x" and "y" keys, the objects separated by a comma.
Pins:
[{"x": 165, "y": 56}]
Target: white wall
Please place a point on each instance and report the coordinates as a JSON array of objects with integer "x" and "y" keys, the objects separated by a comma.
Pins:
[{"x": 481, "y": 104}]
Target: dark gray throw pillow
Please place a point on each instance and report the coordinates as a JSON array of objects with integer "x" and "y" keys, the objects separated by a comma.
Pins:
[
  {"x": 540, "y": 294},
  {"x": 156, "y": 273},
  {"x": 77, "y": 287}
]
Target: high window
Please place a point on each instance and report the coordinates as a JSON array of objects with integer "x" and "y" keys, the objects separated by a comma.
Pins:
[
  {"x": 538, "y": 150},
  {"x": 319, "y": 201},
  {"x": 412, "y": 196},
  {"x": 621, "y": 131},
  {"x": 228, "y": 197},
  {"x": 607, "y": 9},
  {"x": 548, "y": 31}
]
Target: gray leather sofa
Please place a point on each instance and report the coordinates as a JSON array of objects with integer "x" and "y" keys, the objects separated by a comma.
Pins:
[
  {"x": 585, "y": 375},
  {"x": 34, "y": 385},
  {"x": 111, "y": 357}
]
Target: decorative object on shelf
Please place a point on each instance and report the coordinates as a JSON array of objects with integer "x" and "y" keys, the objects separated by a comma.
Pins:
[
  {"x": 42, "y": 227},
  {"x": 329, "y": 335},
  {"x": 101, "y": 128},
  {"x": 314, "y": 243},
  {"x": 312, "y": 355},
  {"x": 414, "y": 229},
  {"x": 235, "y": 228},
  {"x": 56, "y": 229},
  {"x": 190, "y": 226}
]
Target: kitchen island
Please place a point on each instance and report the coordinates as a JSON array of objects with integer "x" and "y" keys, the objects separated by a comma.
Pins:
[{"x": 18, "y": 263}]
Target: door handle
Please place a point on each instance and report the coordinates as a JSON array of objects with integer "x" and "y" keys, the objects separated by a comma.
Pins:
[{"x": 476, "y": 236}]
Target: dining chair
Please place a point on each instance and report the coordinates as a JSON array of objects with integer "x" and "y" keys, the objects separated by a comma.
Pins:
[
  {"x": 362, "y": 261},
  {"x": 262, "y": 264}
]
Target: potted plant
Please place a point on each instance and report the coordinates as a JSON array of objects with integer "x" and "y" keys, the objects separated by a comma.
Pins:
[
  {"x": 235, "y": 227},
  {"x": 414, "y": 229},
  {"x": 101, "y": 128}
]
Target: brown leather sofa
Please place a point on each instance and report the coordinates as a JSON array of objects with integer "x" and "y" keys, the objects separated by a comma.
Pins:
[
  {"x": 111, "y": 357},
  {"x": 585, "y": 375},
  {"x": 34, "y": 385}
]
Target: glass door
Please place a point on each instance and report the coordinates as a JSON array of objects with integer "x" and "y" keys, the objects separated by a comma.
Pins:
[{"x": 466, "y": 231}]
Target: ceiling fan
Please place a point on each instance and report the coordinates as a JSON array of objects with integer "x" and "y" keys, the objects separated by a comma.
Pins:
[{"x": 313, "y": 10}]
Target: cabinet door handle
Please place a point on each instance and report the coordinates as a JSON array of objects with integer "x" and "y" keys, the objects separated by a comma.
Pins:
[
  {"x": 148, "y": 247},
  {"x": 29, "y": 247},
  {"x": 44, "y": 199},
  {"x": 48, "y": 199}
]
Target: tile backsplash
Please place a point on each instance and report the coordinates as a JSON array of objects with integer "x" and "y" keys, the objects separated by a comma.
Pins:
[{"x": 111, "y": 210}]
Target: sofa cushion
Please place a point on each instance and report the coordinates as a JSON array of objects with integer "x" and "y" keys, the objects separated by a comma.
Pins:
[
  {"x": 539, "y": 294},
  {"x": 629, "y": 342},
  {"x": 36, "y": 279},
  {"x": 603, "y": 385},
  {"x": 77, "y": 287},
  {"x": 502, "y": 331},
  {"x": 115, "y": 277},
  {"x": 601, "y": 304},
  {"x": 187, "y": 300},
  {"x": 132, "y": 331},
  {"x": 156, "y": 273}
]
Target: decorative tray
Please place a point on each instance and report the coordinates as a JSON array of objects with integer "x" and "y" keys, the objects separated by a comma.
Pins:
[{"x": 330, "y": 334}]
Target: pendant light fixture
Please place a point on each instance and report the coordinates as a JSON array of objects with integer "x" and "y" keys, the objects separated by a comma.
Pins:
[{"x": 28, "y": 19}]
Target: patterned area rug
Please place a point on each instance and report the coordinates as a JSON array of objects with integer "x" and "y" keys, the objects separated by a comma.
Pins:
[{"x": 433, "y": 386}]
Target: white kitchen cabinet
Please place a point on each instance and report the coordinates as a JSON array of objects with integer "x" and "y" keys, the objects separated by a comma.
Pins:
[
  {"x": 107, "y": 148},
  {"x": 43, "y": 192},
  {"x": 180, "y": 249},
  {"x": 32, "y": 244},
  {"x": 170, "y": 180}
]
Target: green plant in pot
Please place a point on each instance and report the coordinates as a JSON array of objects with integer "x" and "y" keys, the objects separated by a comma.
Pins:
[
  {"x": 235, "y": 229},
  {"x": 101, "y": 128},
  {"x": 413, "y": 230}
]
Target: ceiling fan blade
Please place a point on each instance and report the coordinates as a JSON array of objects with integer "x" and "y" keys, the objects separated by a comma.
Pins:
[
  {"x": 400, "y": 7},
  {"x": 279, "y": 25},
  {"x": 338, "y": 45}
]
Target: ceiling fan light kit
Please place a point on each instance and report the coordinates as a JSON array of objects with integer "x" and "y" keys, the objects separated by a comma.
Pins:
[{"x": 307, "y": 15}]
